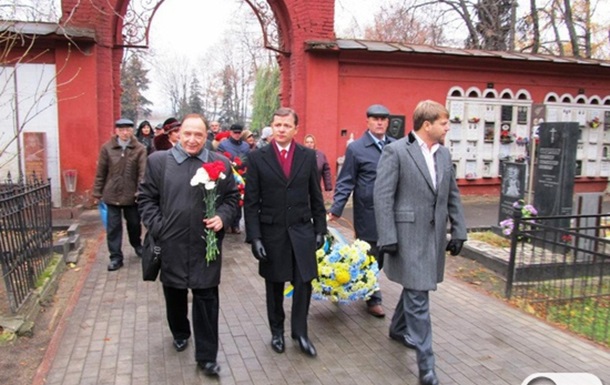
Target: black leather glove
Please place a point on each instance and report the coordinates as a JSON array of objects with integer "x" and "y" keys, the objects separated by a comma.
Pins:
[
  {"x": 391, "y": 249},
  {"x": 319, "y": 241},
  {"x": 258, "y": 250},
  {"x": 455, "y": 246}
]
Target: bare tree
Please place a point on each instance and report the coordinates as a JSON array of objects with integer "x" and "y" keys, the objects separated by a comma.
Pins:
[
  {"x": 403, "y": 24},
  {"x": 563, "y": 27},
  {"x": 174, "y": 74}
]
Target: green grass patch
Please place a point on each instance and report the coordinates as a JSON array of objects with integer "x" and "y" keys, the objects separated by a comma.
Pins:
[
  {"x": 48, "y": 272},
  {"x": 588, "y": 317},
  {"x": 581, "y": 306},
  {"x": 490, "y": 238}
]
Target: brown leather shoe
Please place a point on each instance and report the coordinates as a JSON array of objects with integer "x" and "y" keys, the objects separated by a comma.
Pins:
[{"x": 376, "y": 311}]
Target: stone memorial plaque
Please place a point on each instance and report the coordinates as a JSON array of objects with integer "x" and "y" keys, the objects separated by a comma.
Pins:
[
  {"x": 488, "y": 150},
  {"x": 507, "y": 114},
  {"x": 605, "y": 168},
  {"x": 522, "y": 115},
  {"x": 555, "y": 170},
  {"x": 581, "y": 117},
  {"x": 455, "y": 133},
  {"x": 471, "y": 149},
  {"x": 35, "y": 154},
  {"x": 490, "y": 114},
  {"x": 471, "y": 169},
  {"x": 455, "y": 149},
  {"x": 592, "y": 167},
  {"x": 521, "y": 131},
  {"x": 489, "y": 132},
  {"x": 456, "y": 111},
  {"x": 552, "y": 114},
  {"x": 472, "y": 132},
  {"x": 474, "y": 112},
  {"x": 513, "y": 188}
]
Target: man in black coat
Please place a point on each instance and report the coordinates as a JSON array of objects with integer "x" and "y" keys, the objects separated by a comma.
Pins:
[
  {"x": 285, "y": 223},
  {"x": 173, "y": 211}
]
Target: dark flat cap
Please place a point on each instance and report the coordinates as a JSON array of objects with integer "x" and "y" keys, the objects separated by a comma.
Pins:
[
  {"x": 159, "y": 126},
  {"x": 123, "y": 122},
  {"x": 377, "y": 110},
  {"x": 237, "y": 127}
]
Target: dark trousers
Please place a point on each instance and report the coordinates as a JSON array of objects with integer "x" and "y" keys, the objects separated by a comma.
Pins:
[
  {"x": 235, "y": 223},
  {"x": 375, "y": 298},
  {"x": 412, "y": 318},
  {"x": 114, "y": 231},
  {"x": 301, "y": 299},
  {"x": 205, "y": 319}
]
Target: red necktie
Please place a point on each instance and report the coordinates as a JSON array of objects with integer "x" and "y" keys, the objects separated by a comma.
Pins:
[{"x": 284, "y": 154}]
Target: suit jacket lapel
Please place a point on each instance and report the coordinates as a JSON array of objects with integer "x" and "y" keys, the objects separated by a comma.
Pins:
[
  {"x": 414, "y": 151},
  {"x": 440, "y": 167},
  {"x": 272, "y": 161}
]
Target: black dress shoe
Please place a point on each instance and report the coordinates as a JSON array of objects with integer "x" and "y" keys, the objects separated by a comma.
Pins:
[
  {"x": 428, "y": 377},
  {"x": 403, "y": 339},
  {"x": 306, "y": 346},
  {"x": 277, "y": 343},
  {"x": 139, "y": 250},
  {"x": 115, "y": 264},
  {"x": 180, "y": 345},
  {"x": 209, "y": 368}
]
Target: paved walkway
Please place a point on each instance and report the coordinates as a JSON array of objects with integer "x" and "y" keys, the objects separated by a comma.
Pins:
[{"x": 117, "y": 334}]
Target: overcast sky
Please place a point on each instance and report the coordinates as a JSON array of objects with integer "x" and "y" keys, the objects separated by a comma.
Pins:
[{"x": 193, "y": 27}]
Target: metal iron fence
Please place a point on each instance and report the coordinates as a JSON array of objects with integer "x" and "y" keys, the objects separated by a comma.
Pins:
[
  {"x": 559, "y": 269},
  {"x": 26, "y": 236}
]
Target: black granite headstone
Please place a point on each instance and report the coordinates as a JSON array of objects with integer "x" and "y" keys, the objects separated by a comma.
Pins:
[
  {"x": 513, "y": 188},
  {"x": 555, "y": 169}
]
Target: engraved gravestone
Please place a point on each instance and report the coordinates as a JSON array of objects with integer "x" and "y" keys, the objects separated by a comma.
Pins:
[
  {"x": 555, "y": 169},
  {"x": 513, "y": 187}
]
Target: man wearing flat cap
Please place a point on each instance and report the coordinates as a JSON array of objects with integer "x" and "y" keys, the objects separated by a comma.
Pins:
[
  {"x": 120, "y": 168},
  {"x": 358, "y": 175},
  {"x": 238, "y": 148}
]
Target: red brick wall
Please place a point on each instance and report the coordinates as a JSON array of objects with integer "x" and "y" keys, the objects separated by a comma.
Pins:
[{"x": 92, "y": 113}]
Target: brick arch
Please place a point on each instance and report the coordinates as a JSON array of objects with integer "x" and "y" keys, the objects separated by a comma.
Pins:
[
  {"x": 297, "y": 21},
  {"x": 91, "y": 79}
]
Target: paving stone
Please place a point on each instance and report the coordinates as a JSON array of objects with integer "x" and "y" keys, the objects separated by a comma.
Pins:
[{"x": 118, "y": 334}]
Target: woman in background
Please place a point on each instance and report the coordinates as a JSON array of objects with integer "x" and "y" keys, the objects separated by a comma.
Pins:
[
  {"x": 323, "y": 166},
  {"x": 145, "y": 136}
]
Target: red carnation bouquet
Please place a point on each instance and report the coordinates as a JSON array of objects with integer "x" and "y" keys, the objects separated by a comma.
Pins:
[{"x": 206, "y": 177}]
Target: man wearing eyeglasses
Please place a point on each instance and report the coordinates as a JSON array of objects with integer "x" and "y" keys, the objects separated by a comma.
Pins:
[{"x": 120, "y": 168}]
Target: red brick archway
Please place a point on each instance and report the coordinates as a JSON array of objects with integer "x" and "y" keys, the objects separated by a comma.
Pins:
[{"x": 97, "y": 106}]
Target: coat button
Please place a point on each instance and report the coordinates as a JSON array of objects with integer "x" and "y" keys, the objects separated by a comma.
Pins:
[{"x": 432, "y": 222}]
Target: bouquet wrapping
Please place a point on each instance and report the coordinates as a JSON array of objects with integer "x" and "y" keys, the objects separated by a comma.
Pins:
[{"x": 346, "y": 272}]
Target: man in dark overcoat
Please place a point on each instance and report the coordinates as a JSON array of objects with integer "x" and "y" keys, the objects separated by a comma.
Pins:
[
  {"x": 174, "y": 212},
  {"x": 414, "y": 202},
  {"x": 285, "y": 223},
  {"x": 358, "y": 176}
]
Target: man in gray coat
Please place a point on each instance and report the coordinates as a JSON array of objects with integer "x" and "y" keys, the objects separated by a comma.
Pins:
[
  {"x": 415, "y": 195},
  {"x": 173, "y": 211}
]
